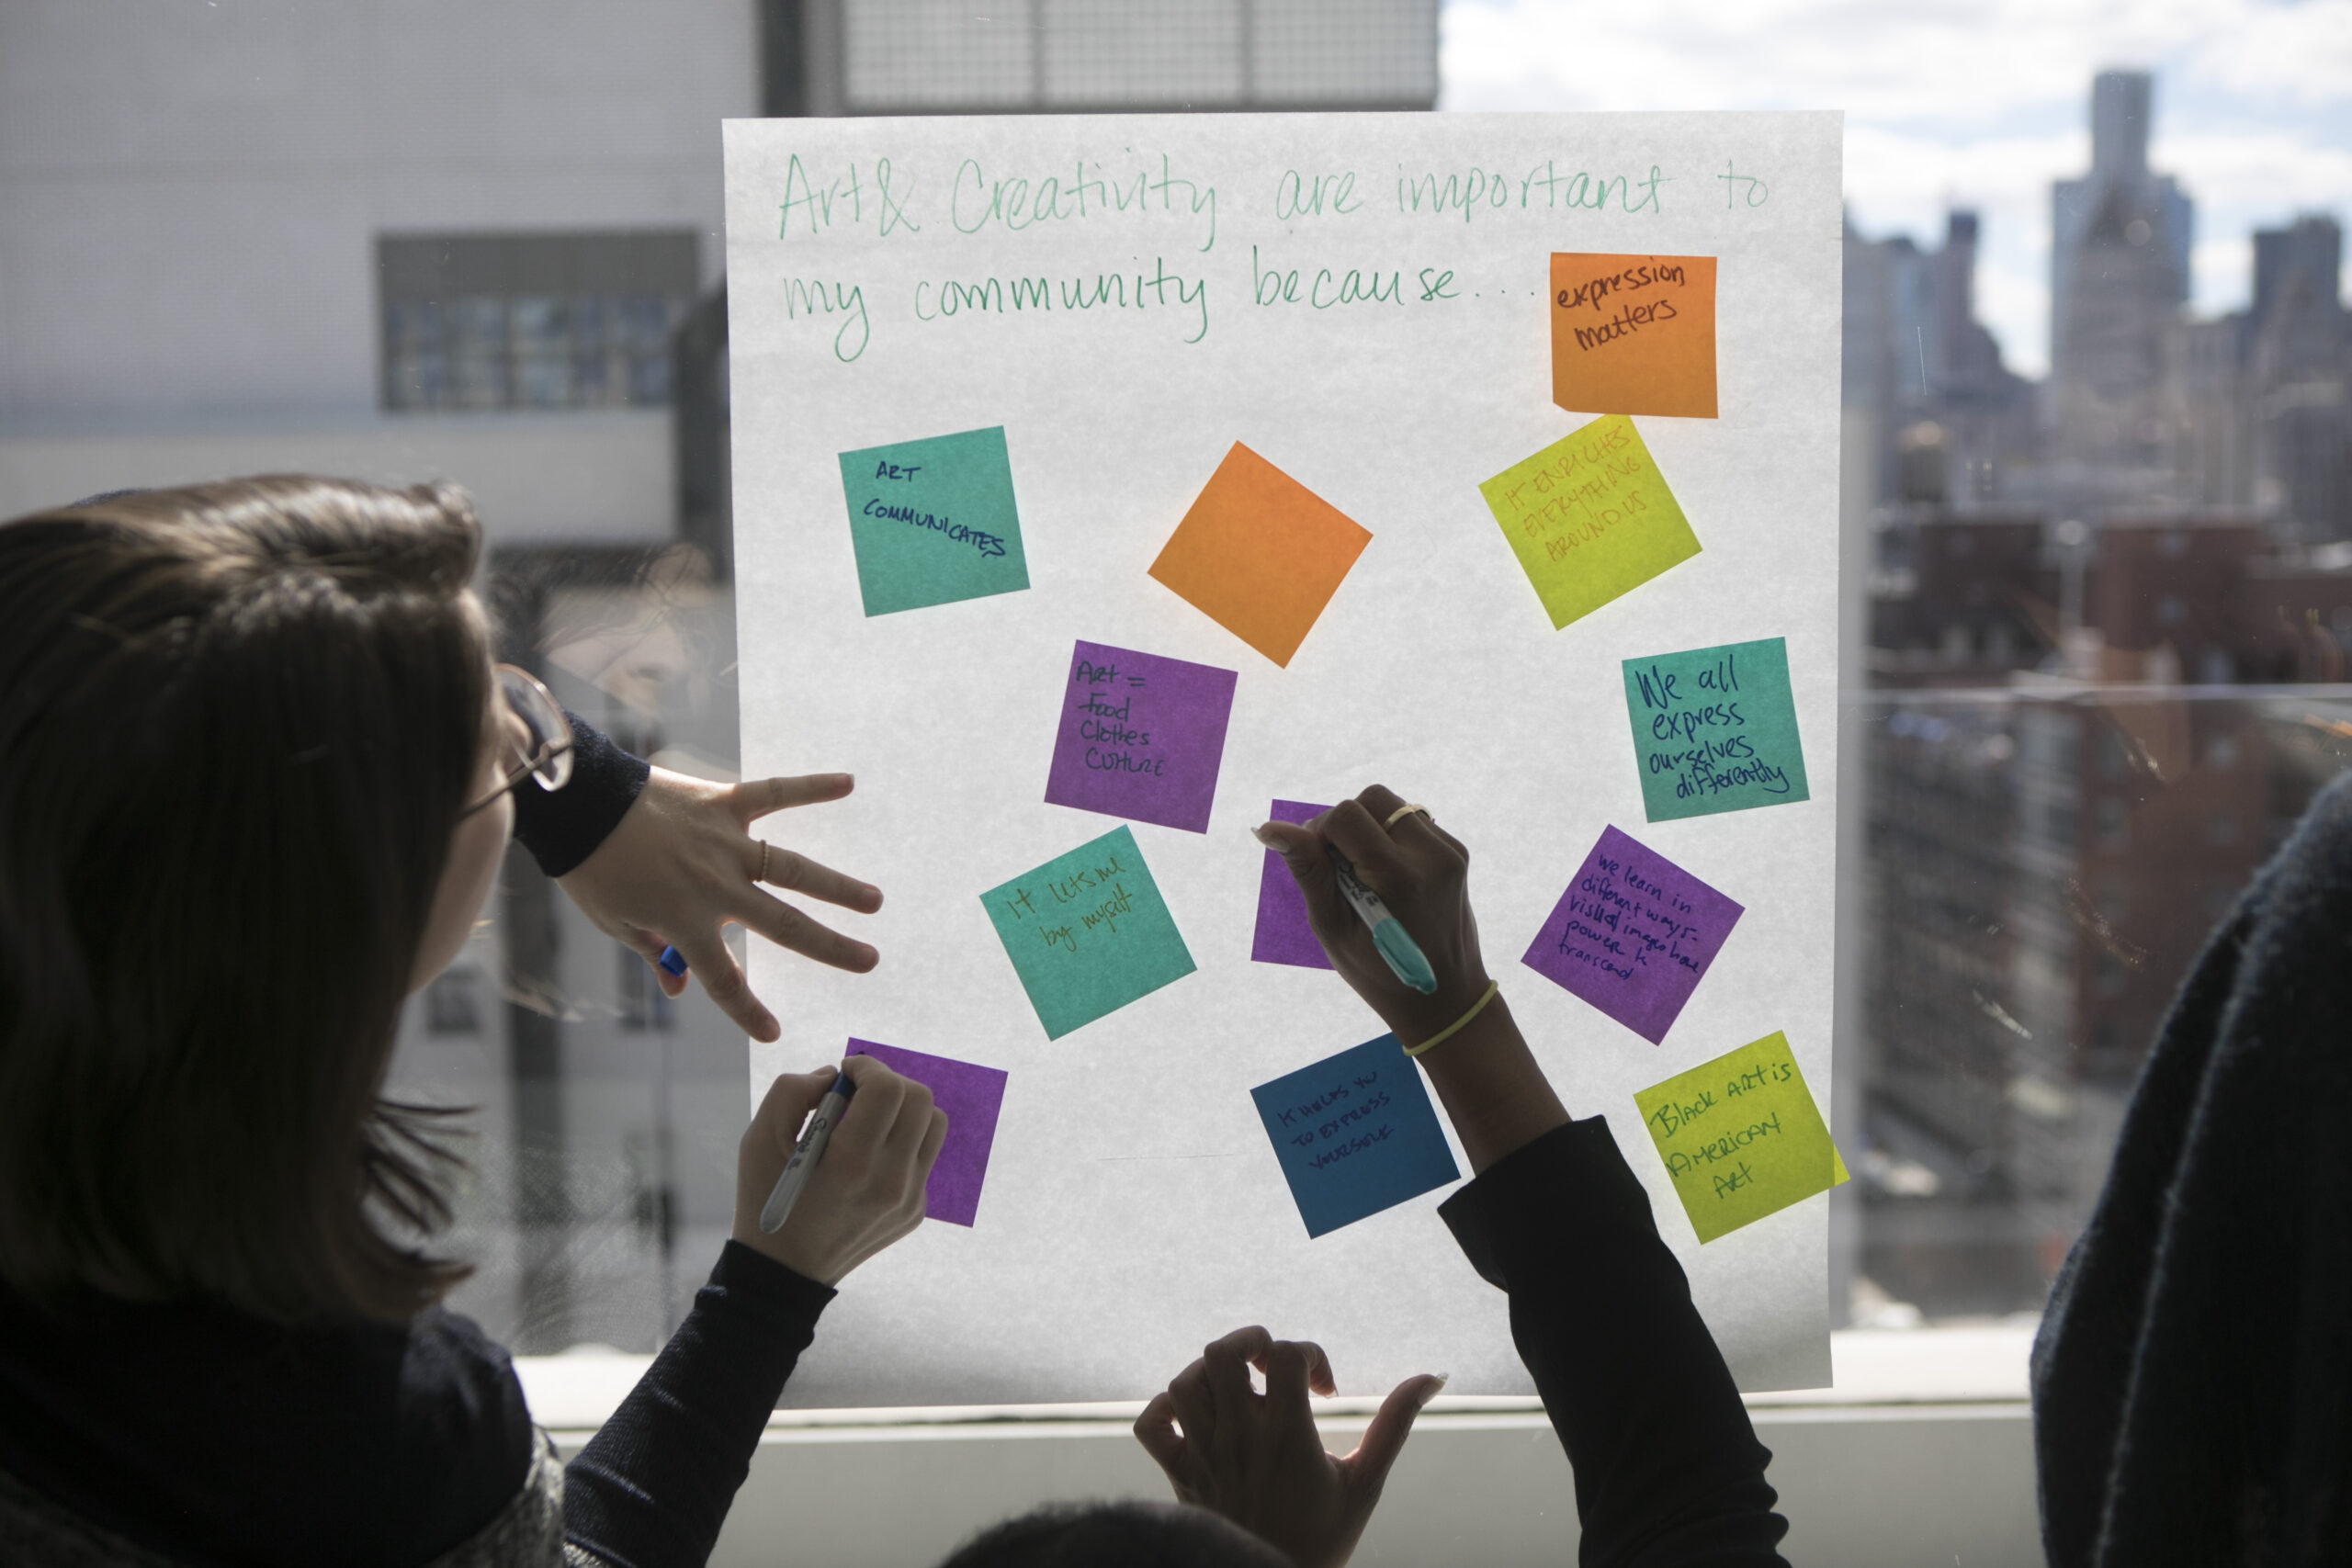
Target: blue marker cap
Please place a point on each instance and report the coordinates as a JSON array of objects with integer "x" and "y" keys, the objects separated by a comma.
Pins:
[{"x": 672, "y": 962}]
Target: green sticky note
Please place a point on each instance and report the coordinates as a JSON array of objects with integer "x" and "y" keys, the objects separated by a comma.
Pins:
[
  {"x": 1088, "y": 932},
  {"x": 1589, "y": 518},
  {"x": 1741, "y": 1137},
  {"x": 933, "y": 521},
  {"x": 1714, "y": 729}
]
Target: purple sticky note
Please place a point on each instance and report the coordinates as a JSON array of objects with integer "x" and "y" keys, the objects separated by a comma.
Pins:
[
  {"x": 1283, "y": 936},
  {"x": 1140, "y": 737},
  {"x": 1633, "y": 935},
  {"x": 971, "y": 1094}
]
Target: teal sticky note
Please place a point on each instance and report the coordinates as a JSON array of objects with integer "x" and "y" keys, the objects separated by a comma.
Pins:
[
  {"x": 1088, "y": 932},
  {"x": 933, "y": 521},
  {"x": 1714, "y": 729}
]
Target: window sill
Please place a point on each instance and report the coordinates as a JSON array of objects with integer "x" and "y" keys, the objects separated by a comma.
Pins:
[{"x": 1877, "y": 1368}]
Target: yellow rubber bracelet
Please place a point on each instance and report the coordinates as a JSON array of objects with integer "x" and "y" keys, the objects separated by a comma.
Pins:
[{"x": 1450, "y": 1030}]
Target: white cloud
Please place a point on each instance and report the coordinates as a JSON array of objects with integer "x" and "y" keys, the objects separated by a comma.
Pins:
[
  {"x": 1973, "y": 103},
  {"x": 2303, "y": 51}
]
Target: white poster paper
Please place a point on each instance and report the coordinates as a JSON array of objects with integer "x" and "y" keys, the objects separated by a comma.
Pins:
[{"x": 1106, "y": 313}]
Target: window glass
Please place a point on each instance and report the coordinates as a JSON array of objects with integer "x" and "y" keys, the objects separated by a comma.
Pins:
[{"x": 2096, "y": 380}]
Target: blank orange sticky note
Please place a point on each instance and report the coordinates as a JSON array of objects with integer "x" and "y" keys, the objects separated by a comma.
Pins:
[
  {"x": 1259, "y": 554},
  {"x": 1633, "y": 334}
]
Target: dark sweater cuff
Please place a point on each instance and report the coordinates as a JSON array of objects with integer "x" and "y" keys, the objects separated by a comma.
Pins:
[
  {"x": 561, "y": 827},
  {"x": 1568, "y": 1189},
  {"x": 784, "y": 1298}
]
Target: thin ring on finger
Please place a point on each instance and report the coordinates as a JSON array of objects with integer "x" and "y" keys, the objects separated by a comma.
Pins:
[{"x": 1403, "y": 811}]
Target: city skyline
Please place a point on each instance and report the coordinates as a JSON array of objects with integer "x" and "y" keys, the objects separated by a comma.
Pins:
[{"x": 2253, "y": 111}]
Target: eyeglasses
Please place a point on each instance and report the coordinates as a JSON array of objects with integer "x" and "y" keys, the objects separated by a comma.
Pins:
[{"x": 536, "y": 737}]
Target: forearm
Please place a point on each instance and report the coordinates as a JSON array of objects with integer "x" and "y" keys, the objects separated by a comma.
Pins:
[
  {"x": 653, "y": 1487},
  {"x": 1667, "y": 1468},
  {"x": 1493, "y": 1090}
]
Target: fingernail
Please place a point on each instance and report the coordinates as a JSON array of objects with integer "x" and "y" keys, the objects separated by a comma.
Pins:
[
  {"x": 1259, "y": 834},
  {"x": 1443, "y": 1379}
]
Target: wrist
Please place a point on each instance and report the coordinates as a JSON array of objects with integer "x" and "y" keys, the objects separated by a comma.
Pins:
[
  {"x": 1417, "y": 1018},
  {"x": 1493, "y": 1090}
]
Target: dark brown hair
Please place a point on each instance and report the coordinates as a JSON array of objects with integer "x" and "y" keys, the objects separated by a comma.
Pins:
[{"x": 238, "y": 722}]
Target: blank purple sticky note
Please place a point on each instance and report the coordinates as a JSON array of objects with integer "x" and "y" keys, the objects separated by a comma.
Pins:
[
  {"x": 1283, "y": 936},
  {"x": 1140, "y": 737},
  {"x": 971, "y": 1094},
  {"x": 1633, "y": 935}
]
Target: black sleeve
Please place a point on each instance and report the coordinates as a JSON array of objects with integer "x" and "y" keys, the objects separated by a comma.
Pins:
[
  {"x": 652, "y": 1488},
  {"x": 1667, "y": 1468},
  {"x": 561, "y": 827}
]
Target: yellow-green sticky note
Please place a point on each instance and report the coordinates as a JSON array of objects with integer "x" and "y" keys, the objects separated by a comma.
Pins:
[
  {"x": 1589, "y": 518},
  {"x": 1741, "y": 1137}
]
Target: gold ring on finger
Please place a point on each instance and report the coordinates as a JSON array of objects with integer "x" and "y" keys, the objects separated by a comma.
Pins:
[{"x": 1397, "y": 815}]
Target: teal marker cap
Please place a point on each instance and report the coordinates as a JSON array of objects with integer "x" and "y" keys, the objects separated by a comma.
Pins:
[{"x": 1404, "y": 955}]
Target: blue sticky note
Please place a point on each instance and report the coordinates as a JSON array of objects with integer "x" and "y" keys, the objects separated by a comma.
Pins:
[{"x": 1355, "y": 1134}]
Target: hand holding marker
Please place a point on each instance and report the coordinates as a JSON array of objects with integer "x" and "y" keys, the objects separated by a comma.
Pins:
[
  {"x": 1388, "y": 934},
  {"x": 796, "y": 1170}
]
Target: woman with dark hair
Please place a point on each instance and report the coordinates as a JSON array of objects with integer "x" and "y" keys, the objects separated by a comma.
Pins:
[{"x": 256, "y": 775}]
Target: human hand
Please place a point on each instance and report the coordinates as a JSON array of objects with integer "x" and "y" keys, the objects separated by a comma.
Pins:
[
  {"x": 1257, "y": 1460},
  {"x": 867, "y": 1190},
  {"x": 682, "y": 864},
  {"x": 1420, "y": 872}
]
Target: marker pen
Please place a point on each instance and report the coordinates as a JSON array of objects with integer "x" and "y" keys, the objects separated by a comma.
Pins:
[
  {"x": 1388, "y": 934},
  {"x": 806, "y": 1154}
]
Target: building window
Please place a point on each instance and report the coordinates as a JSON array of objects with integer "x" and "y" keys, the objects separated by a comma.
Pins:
[
  {"x": 2108, "y": 976},
  {"x": 475, "y": 321},
  {"x": 453, "y": 1003},
  {"x": 642, "y": 1004},
  {"x": 926, "y": 56}
]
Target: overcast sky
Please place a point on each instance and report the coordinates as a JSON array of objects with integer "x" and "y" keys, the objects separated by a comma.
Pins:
[{"x": 1976, "y": 103}]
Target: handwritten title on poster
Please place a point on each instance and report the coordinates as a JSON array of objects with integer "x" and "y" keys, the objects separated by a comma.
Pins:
[{"x": 1167, "y": 228}]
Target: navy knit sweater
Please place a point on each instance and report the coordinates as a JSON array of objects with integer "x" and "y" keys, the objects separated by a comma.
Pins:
[{"x": 2192, "y": 1396}]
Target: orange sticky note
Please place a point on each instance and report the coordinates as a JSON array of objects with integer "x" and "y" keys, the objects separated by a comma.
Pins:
[
  {"x": 1259, "y": 554},
  {"x": 1633, "y": 334}
]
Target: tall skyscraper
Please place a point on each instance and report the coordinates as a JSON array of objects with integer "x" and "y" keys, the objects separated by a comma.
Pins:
[
  {"x": 1946, "y": 414},
  {"x": 2298, "y": 379},
  {"x": 2119, "y": 249}
]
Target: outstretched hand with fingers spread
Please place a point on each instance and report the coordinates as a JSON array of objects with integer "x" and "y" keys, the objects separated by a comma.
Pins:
[
  {"x": 682, "y": 864},
  {"x": 1257, "y": 1458}
]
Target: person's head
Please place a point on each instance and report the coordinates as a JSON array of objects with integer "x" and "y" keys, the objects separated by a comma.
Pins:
[
  {"x": 240, "y": 727},
  {"x": 1116, "y": 1535}
]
